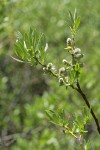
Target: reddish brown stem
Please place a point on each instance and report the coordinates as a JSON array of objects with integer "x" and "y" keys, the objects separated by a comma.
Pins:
[{"x": 88, "y": 105}]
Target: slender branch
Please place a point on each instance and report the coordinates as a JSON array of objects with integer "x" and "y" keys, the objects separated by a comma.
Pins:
[
  {"x": 73, "y": 87},
  {"x": 79, "y": 90},
  {"x": 88, "y": 105},
  {"x": 43, "y": 65}
]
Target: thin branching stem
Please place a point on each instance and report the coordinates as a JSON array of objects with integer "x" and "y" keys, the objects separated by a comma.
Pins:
[
  {"x": 79, "y": 90},
  {"x": 88, "y": 105},
  {"x": 43, "y": 65}
]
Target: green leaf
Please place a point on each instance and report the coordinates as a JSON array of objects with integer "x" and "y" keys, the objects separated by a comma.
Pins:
[
  {"x": 69, "y": 25},
  {"x": 71, "y": 17},
  {"x": 86, "y": 113},
  {"x": 75, "y": 15},
  {"x": 17, "y": 59},
  {"x": 74, "y": 127},
  {"x": 68, "y": 48},
  {"x": 80, "y": 124},
  {"x": 49, "y": 114},
  {"x": 73, "y": 22},
  {"x": 53, "y": 116},
  {"x": 19, "y": 52},
  {"x": 77, "y": 23},
  {"x": 72, "y": 75},
  {"x": 77, "y": 67},
  {"x": 27, "y": 41},
  {"x": 31, "y": 45},
  {"x": 61, "y": 113}
]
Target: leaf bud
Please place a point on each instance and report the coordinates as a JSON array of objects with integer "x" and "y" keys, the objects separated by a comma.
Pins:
[
  {"x": 44, "y": 68},
  {"x": 61, "y": 81},
  {"x": 78, "y": 56},
  {"x": 67, "y": 85},
  {"x": 69, "y": 41},
  {"x": 77, "y": 51},
  {"x": 66, "y": 62},
  {"x": 61, "y": 70},
  {"x": 49, "y": 66},
  {"x": 67, "y": 80}
]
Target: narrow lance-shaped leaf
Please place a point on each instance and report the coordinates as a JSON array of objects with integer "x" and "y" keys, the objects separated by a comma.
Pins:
[
  {"x": 71, "y": 17},
  {"x": 75, "y": 15},
  {"x": 69, "y": 24},
  {"x": 49, "y": 114},
  {"x": 77, "y": 23},
  {"x": 35, "y": 38},
  {"x": 43, "y": 44},
  {"x": 27, "y": 41},
  {"x": 19, "y": 52}
]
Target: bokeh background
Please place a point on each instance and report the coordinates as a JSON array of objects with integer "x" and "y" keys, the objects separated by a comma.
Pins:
[{"x": 26, "y": 92}]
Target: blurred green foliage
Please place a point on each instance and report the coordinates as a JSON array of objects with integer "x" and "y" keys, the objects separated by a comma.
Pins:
[{"x": 25, "y": 92}]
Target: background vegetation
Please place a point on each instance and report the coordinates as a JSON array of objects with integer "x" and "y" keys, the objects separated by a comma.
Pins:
[{"x": 26, "y": 92}]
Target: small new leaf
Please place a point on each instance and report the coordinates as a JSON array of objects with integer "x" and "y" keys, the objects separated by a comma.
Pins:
[
  {"x": 77, "y": 23},
  {"x": 71, "y": 17},
  {"x": 31, "y": 46}
]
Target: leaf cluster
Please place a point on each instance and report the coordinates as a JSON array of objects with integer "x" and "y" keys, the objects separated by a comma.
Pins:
[
  {"x": 73, "y": 22},
  {"x": 30, "y": 47},
  {"x": 75, "y": 127}
]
